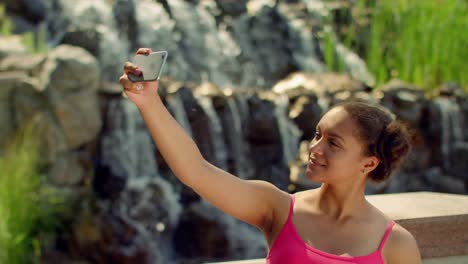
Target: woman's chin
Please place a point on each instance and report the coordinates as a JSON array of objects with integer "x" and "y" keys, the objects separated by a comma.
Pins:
[{"x": 313, "y": 175}]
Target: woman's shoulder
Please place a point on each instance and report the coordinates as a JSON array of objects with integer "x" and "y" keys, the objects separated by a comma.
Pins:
[{"x": 401, "y": 246}]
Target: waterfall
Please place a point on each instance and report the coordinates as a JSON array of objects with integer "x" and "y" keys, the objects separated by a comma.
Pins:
[
  {"x": 177, "y": 107},
  {"x": 216, "y": 132},
  {"x": 451, "y": 131},
  {"x": 127, "y": 142},
  {"x": 289, "y": 132},
  {"x": 237, "y": 140}
]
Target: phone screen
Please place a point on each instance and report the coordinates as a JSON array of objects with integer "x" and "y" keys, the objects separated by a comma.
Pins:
[{"x": 150, "y": 65}]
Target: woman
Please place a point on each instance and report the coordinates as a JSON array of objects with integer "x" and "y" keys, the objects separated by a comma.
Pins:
[{"x": 330, "y": 224}]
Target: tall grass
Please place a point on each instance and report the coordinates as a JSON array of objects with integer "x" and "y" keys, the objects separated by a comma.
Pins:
[
  {"x": 419, "y": 41},
  {"x": 26, "y": 211}
]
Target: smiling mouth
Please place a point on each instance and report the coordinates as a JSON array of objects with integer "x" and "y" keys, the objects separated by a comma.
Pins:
[{"x": 315, "y": 163}]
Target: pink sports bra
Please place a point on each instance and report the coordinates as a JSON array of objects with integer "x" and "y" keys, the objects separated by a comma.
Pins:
[{"x": 289, "y": 248}]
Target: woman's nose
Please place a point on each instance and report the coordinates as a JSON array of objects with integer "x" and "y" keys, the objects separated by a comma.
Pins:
[{"x": 316, "y": 148}]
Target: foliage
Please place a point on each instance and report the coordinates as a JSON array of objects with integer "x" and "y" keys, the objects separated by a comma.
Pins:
[
  {"x": 418, "y": 41},
  {"x": 28, "y": 207}
]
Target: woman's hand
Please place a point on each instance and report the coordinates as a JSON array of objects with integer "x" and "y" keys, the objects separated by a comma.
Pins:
[{"x": 141, "y": 93}]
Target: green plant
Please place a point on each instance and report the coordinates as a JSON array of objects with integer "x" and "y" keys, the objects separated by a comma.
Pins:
[
  {"x": 6, "y": 26},
  {"x": 28, "y": 207},
  {"x": 418, "y": 41}
]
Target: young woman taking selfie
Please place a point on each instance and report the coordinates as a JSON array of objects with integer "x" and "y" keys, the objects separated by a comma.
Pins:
[{"x": 333, "y": 224}]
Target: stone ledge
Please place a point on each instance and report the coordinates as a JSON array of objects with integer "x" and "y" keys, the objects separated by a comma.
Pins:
[{"x": 438, "y": 221}]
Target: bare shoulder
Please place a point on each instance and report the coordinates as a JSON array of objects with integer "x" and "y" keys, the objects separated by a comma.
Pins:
[
  {"x": 279, "y": 201},
  {"x": 401, "y": 247}
]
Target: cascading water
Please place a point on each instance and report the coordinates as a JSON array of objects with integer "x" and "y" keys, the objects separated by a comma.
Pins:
[
  {"x": 200, "y": 42},
  {"x": 242, "y": 169},
  {"x": 290, "y": 134},
  {"x": 216, "y": 131},
  {"x": 127, "y": 142},
  {"x": 177, "y": 107},
  {"x": 156, "y": 30},
  {"x": 451, "y": 131}
]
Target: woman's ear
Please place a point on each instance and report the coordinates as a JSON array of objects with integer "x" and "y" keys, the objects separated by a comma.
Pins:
[{"x": 370, "y": 163}]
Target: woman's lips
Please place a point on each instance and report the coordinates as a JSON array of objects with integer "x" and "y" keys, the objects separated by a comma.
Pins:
[{"x": 315, "y": 163}]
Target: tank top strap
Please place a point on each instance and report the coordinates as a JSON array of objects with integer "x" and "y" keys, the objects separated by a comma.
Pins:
[
  {"x": 387, "y": 233},
  {"x": 291, "y": 207}
]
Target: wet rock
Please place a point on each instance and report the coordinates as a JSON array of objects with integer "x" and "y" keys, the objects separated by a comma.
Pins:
[
  {"x": 204, "y": 234},
  {"x": 126, "y": 21},
  {"x": 439, "y": 182},
  {"x": 199, "y": 235},
  {"x": 125, "y": 141},
  {"x": 404, "y": 100},
  {"x": 32, "y": 10},
  {"x": 306, "y": 112},
  {"x": 89, "y": 39},
  {"x": 232, "y": 8},
  {"x": 110, "y": 238},
  {"x": 460, "y": 165},
  {"x": 262, "y": 126}
]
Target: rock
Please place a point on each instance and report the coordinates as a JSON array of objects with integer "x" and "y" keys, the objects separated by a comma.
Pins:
[
  {"x": 123, "y": 241},
  {"x": 460, "y": 161},
  {"x": 67, "y": 170},
  {"x": 444, "y": 183},
  {"x": 68, "y": 70},
  {"x": 404, "y": 100},
  {"x": 355, "y": 65},
  {"x": 262, "y": 126},
  {"x": 125, "y": 148},
  {"x": 12, "y": 45},
  {"x": 126, "y": 21},
  {"x": 259, "y": 35},
  {"x": 232, "y": 8},
  {"x": 31, "y": 64},
  {"x": 451, "y": 89},
  {"x": 200, "y": 235},
  {"x": 79, "y": 117},
  {"x": 55, "y": 143},
  {"x": 306, "y": 113},
  {"x": 8, "y": 83},
  {"x": 32, "y": 10},
  {"x": 88, "y": 39}
]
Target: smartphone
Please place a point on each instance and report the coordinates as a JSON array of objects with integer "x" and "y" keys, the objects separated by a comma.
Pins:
[{"x": 150, "y": 65}]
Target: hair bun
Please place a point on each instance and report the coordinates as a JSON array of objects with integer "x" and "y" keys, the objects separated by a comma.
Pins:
[{"x": 392, "y": 145}]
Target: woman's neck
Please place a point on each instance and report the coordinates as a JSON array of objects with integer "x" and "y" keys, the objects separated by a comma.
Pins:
[{"x": 342, "y": 202}]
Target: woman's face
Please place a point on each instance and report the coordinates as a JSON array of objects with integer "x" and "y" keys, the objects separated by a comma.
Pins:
[{"x": 335, "y": 154}]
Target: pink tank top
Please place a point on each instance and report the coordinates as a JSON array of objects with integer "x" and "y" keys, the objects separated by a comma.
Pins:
[{"x": 290, "y": 248}]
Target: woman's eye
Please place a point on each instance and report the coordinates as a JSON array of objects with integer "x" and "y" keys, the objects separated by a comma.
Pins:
[
  {"x": 333, "y": 143},
  {"x": 317, "y": 135}
]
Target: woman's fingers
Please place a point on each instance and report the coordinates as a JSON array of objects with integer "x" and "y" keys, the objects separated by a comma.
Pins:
[
  {"x": 144, "y": 51},
  {"x": 129, "y": 85},
  {"x": 130, "y": 68}
]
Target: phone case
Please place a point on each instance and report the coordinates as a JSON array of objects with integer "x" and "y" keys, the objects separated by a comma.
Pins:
[{"x": 149, "y": 64}]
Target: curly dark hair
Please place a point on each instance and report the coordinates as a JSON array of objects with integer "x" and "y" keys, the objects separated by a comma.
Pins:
[{"x": 382, "y": 135}]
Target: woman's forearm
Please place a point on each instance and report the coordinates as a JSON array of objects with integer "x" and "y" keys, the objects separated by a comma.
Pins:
[{"x": 178, "y": 149}]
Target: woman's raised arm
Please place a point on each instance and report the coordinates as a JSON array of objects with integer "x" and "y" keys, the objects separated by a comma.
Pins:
[{"x": 250, "y": 201}]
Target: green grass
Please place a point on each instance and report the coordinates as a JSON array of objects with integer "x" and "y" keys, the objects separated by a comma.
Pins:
[
  {"x": 423, "y": 42},
  {"x": 27, "y": 205}
]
